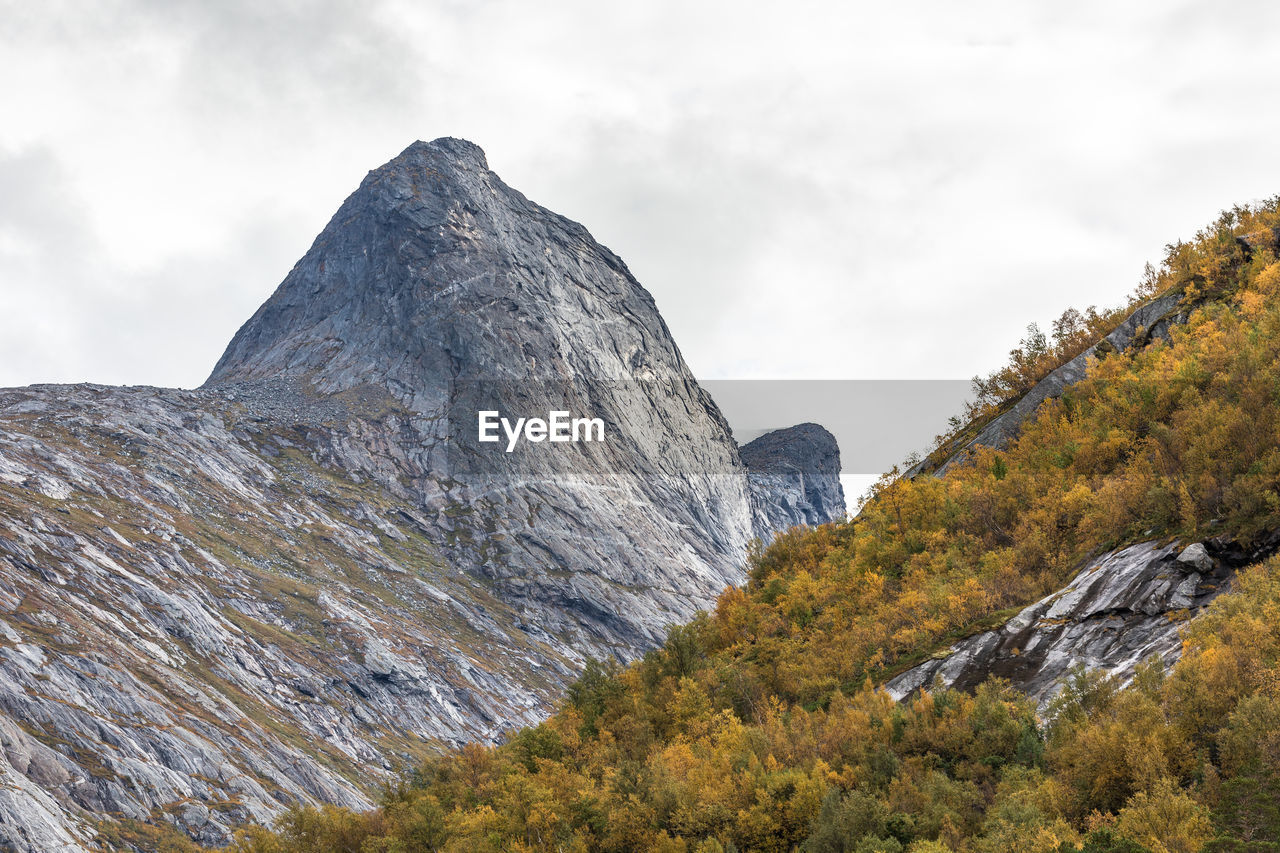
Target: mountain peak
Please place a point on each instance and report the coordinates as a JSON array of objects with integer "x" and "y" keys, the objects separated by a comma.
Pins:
[
  {"x": 324, "y": 534},
  {"x": 438, "y": 286},
  {"x": 434, "y": 269},
  {"x": 460, "y": 151}
]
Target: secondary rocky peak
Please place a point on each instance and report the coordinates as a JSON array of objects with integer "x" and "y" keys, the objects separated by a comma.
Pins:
[
  {"x": 794, "y": 475},
  {"x": 804, "y": 448}
]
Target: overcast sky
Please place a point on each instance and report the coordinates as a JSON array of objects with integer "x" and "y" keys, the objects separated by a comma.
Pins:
[{"x": 829, "y": 190}]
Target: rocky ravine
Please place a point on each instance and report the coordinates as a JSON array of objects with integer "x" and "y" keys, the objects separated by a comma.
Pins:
[{"x": 292, "y": 583}]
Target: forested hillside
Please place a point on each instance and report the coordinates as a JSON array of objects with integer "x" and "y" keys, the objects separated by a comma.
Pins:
[{"x": 760, "y": 726}]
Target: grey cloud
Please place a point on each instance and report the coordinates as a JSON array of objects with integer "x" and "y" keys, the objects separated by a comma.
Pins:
[
  {"x": 36, "y": 205},
  {"x": 262, "y": 57},
  {"x": 844, "y": 190},
  {"x": 70, "y": 314}
]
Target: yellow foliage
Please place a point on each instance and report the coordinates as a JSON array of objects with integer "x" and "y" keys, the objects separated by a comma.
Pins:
[
  {"x": 1166, "y": 819},
  {"x": 759, "y": 726}
]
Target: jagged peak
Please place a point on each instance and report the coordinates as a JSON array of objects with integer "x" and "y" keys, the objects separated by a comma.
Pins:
[
  {"x": 434, "y": 268},
  {"x": 443, "y": 168},
  {"x": 460, "y": 151},
  {"x": 806, "y": 446}
]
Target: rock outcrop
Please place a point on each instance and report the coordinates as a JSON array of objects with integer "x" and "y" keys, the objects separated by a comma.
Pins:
[
  {"x": 294, "y": 582},
  {"x": 1148, "y": 322},
  {"x": 1122, "y": 609},
  {"x": 794, "y": 476}
]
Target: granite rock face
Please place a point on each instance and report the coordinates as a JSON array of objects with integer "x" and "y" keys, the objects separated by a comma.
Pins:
[
  {"x": 1122, "y": 609},
  {"x": 293, "y": 583},
  {"x": 440, "y": 287},
  {"x": 794, "y": 476},
  {"x": 198, "y": 609}
]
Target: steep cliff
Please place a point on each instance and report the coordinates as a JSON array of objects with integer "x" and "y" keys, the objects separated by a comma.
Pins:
[{"x": 442, "y": 290}]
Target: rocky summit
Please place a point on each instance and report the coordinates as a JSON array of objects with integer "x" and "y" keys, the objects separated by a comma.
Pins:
[
  {"x": 292, "y": 583},
  {"x": 794, "y": 475}
]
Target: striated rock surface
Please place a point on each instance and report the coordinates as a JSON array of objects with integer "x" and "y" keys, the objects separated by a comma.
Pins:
[
  {"x": 1121, "y": 609},
  {"x": 441, "y": 289},
  {"x": 196, "y": 608},
  {"x": 295, "y": 582},
  {"x": 794, "y": 477}
]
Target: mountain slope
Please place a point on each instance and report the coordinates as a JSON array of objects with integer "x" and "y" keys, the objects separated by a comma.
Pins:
[
  {"x": 294, "y": 583},
  {"x": 1149, "y": 322},
  {"x": 196, "y": 610},
  {"x": 764, "y": 726}
]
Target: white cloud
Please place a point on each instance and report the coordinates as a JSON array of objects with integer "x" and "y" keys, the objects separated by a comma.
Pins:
[{"x": 809, "y": 190}]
